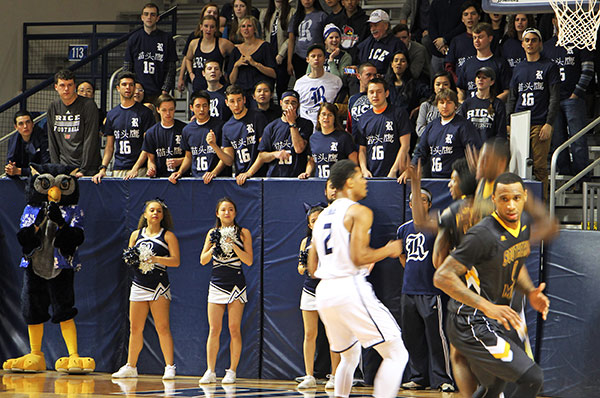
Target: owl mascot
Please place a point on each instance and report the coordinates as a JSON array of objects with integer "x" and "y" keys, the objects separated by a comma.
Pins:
[{"x": 51, "y": 229}]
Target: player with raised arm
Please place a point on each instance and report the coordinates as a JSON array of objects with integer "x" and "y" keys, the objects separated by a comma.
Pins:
[
  {"x": 481, "y": 276},
  {"x": 346, "y": 302}
]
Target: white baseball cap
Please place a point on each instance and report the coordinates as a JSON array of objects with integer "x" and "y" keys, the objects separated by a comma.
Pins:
[{"x": 378, "y": 16}]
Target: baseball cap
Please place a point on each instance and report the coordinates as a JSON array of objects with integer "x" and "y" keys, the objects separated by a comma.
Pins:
[
  {"x": 486, "y": 70},
  {"x": 316, "y": 45},
  {"x": 290, "y": 93},
  {"x": 378, "y": 16},
  {"x": 534, "y": 31}
]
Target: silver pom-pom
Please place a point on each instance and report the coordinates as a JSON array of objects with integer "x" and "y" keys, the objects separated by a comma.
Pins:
[
  {"x": 146, "y": 253},
  {"x": 228, "y": 234}
]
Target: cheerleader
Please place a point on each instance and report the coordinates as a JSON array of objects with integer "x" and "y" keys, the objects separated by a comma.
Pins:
[
  {"x": 228, "y": 245},
  {"x": 156, "y": 248}
]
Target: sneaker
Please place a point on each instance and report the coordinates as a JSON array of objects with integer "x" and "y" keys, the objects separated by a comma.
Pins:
[
  {"x": 308, "y": 382},
  {"x": 209, "y": 377},
  {"x": 447, "y": 387},
  {"x": 411, "y": 385},
  {"x": 125, "y": 372},
  {"x": 331, "y": 382},
  {"x": 229, "y": 377},
  {"x": 169, "y": 372}
]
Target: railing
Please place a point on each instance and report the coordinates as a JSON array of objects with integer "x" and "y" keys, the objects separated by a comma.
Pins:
[
  {"x": 580, "y": 175},
  {"x": 99, "y": 58},
  {"x": 591, "y": 206}
]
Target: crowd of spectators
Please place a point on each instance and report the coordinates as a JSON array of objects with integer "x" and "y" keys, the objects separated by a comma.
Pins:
[{"x": 448, "y": 74}]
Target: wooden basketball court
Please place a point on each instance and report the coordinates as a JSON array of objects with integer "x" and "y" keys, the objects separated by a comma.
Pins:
[{"x": 99, "y": 385}]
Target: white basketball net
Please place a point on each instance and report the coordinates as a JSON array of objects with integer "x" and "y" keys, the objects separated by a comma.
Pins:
[{"x": 578, "y": 23}]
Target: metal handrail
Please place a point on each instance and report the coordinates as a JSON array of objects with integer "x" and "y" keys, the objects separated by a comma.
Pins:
[
  {"x": 37, "y": 119},
  {"x": 28, "y": 93},
  {"x": 580, "y": 175}
]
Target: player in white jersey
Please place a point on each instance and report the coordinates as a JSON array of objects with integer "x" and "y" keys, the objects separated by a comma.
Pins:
[{"x": 346, "y": 302}]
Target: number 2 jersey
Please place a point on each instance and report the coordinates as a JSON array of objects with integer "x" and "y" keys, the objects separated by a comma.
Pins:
[
  {"x": 331, "y": 239},
  {"x": 493, "y": 254}
]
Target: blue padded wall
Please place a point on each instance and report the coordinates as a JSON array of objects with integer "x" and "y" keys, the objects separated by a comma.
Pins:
[{"x": 272, "y": 326}]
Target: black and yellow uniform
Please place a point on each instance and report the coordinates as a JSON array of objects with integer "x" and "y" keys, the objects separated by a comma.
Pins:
[{"x": 494, "y": 255}]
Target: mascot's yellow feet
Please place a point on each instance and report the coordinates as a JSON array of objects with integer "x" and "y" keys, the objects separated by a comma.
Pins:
[
  {"x": 75, "y": 365},
  {"x": 73, "y": 387},
  {"x": 26, "y": 363}
]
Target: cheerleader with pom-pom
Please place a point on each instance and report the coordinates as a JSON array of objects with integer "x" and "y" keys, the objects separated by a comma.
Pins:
[
  {"x": 228, "y": 246},
  {"x": 152, "y": 248}
]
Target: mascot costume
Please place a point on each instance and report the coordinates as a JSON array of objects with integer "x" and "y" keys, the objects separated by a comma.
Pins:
[{"x": 51, "y": 229}]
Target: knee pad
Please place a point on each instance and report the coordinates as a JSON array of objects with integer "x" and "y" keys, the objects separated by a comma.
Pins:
[
  {"x": 352, "y": 354},
  {"x": 533, "y": 377},
  {"x": 392, "y": 349}
]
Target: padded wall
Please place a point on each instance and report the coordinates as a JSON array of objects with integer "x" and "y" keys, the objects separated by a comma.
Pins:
[
  {"x": 272, "y": 324},
  {"x": 570, "y": 353}
]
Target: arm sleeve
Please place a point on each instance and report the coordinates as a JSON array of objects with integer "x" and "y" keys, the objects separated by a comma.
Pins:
[
  {"x": 587, "y": 72},
  {"x": 91, "y": 141},
  {"x": 52, "y": 141},
  {"x": 553, "y": 103},
  {"x": 510, "y": 104},
  {"x": 499, "y": 119},
  {"x": 422, "y": 150},
  {"x": 422, "y": 118}
]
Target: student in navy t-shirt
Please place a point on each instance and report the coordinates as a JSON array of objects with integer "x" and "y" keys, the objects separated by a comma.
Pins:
[
  {"x": 284, "y": 144},
  {"x": 242, "y": 133},
  {"x": 482, "y": 40},
  {"x": 535, "y": 86},
  {"x": 445, "y": 139},
  {"x": 461, "y": 46},
  {"x": 151, "y": 55},
  {"x": 212, "y": 73},
  {"x": 162, "y": 142},
  {"x": 358, "y": 103},
  {"x": 202, "y": 154},
  {"x": 576, "y": 69},
  {"x": 486, "y": 111},
  {"x": 384, "y": 135},
  {"x": 124, "y": 129},
  {"x": 423, "y": 306},
  {"x": 328, "y": 144}
]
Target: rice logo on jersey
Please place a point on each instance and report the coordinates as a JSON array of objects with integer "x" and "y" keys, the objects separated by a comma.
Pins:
[
  {"x": 378, "y": 54},
  {"x": 317, "y": 95},
  {"x": 250, "y": 128},
  {"x": 348, "y": 39},
  {"x": 67, "y": 124},
  {"x": 415, "y": 247},
  {"x": 304, "y": 31},
  {"x": 481, "y": 118},
  {"x": 360, "y": 107},
  {"x": 159, "y": 47},
  {"x": 539, "y": 75},
  {"x": 461, "y": 61},
  {"x": 135, "y": 122},
  {"x": 449, "y": 138},
  {"x": 198, "y": 63},
  {"x": 214, "y": 107},
  {"x": 333, "y": 147}
]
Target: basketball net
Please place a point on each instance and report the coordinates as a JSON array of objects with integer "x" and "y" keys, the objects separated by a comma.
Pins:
[{"x": 578, "y": 22}]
